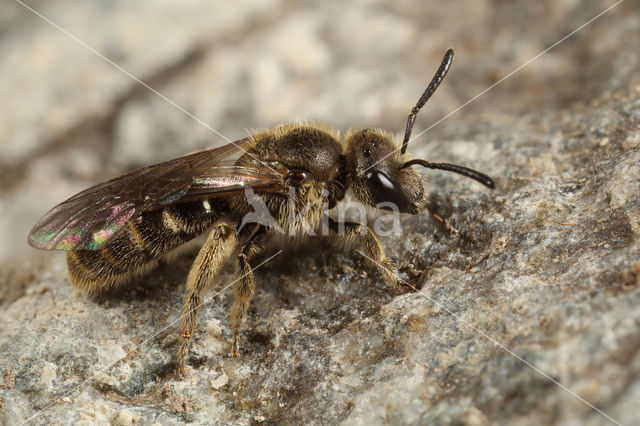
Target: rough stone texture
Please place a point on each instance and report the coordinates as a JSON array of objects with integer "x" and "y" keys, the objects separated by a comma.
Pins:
[{"x": 547, "y": 265}]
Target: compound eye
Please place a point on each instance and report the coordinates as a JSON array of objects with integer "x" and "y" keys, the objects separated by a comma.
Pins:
[{"x": 385, "y": 190}]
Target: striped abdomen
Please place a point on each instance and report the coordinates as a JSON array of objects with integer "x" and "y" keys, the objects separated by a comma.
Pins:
[{"x": 141, "y": 244}]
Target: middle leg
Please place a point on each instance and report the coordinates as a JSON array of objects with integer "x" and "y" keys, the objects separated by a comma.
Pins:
[{"x": 244, "y": 286}]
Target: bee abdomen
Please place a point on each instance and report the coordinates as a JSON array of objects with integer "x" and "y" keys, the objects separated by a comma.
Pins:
[{"x": 137, "y": 249}]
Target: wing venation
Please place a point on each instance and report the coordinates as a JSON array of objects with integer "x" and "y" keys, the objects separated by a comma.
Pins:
[{"x": 91, "y": 218}]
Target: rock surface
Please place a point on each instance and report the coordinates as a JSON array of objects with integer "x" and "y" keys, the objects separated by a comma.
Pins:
[{"x": 527, "y": 314}]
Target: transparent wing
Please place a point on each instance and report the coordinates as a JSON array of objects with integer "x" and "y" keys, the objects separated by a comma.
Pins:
[{"x": 91, "y": 218}]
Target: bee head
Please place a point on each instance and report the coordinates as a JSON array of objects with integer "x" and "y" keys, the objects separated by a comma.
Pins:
[
  {"x": 380, "y": 173},
  {"x": 377, "y": 174}
]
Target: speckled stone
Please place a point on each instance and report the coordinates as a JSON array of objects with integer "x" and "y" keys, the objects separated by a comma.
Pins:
[{"x": 530, "y": 286}]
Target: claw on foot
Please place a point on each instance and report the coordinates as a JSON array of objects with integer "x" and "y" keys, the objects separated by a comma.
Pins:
[{"x": 412, "y": 287}]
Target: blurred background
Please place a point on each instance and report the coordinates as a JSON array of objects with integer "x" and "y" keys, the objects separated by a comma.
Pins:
[{"x": 70, "y": 119}]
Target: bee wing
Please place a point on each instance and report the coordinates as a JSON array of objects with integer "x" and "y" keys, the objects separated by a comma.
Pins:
[{"x": 91, "y": 218}]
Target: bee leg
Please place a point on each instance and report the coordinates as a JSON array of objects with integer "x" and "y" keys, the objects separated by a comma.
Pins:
[
  {"x": 350, "y": 233},
  {"x": 244, "y": 286},
  {"x": 210, "y": 260}
]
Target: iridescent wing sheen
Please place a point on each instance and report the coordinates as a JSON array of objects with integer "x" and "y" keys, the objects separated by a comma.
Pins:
[{"x": 91, "y": 218}]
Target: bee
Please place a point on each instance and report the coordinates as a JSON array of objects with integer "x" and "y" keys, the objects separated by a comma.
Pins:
[{"x": 122, "y": 228}]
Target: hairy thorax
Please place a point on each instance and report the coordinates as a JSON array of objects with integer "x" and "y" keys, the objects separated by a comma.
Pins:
[{"x": 312, "y": 162}]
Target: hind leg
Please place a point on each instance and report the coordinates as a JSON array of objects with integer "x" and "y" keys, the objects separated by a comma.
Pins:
[{"x": 210, "y": 260}]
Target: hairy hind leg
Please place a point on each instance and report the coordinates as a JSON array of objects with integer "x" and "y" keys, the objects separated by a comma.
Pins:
[
  {"x": 244, "y": 286},
  {"x": 216, "y": 250}
]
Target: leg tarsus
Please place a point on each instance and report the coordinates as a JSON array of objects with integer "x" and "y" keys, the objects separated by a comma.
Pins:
[{"x": 235, "y": 345}]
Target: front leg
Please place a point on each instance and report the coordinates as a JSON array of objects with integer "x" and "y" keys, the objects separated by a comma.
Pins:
[{"x": 350, "y": 233}]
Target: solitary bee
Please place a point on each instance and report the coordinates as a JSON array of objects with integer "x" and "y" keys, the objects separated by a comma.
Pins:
[{"x": 122, "y": 228}]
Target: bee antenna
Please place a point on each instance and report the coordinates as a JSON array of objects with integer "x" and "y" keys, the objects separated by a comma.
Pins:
[
  {"x": 461, "y": 170},
  {"x": 431, "y": 88}
]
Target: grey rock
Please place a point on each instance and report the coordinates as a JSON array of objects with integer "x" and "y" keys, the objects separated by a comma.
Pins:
[{"x": 526, "y": 314}]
